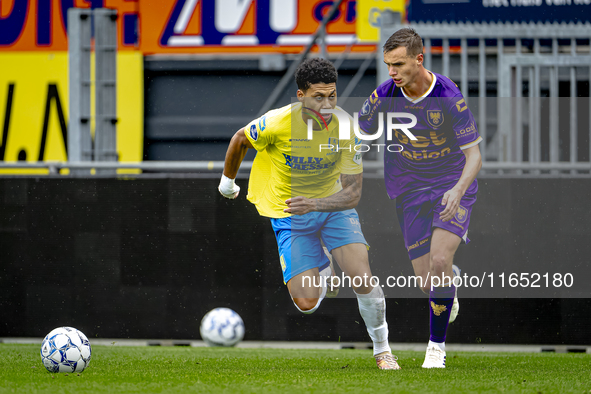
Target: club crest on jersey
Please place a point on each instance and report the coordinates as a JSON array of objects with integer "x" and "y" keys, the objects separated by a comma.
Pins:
[
  {"x": 334, "y": 143},
  {"x": 254, "y": 134},
  {"x": 462, "y": 214},
  {"x": 435, "y": 118}
]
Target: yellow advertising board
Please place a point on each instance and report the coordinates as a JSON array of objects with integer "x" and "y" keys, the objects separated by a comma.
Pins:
[
  {"x": 34, "y": 107},
  {"x": 369, "y": 16}
]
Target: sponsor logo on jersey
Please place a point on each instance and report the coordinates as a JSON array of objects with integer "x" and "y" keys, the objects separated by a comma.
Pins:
[
  {"x": 365, "y": 109},
  {"x": 435, "y": 118},
  {"x": 357, "y": 159},
  {"x": 263, "y": 123},
  {"x": 468, "y": 130},
  {"x": 254, "y": 134},
  {"x": 307, "y": 163},
  {"x": 461, "y": 105},
  {"x": 423, "y": 155}
]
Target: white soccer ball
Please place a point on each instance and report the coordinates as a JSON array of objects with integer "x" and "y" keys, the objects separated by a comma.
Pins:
[
  {"x": 65, "y": 349},
  {"x": 222, "y": 327}
]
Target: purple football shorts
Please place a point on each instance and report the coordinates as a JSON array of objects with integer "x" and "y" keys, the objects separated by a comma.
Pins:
[{"x": 418, "y": 213}]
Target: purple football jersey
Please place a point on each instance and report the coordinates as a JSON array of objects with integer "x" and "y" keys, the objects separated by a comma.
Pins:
[{"x": 444, "y": 127}]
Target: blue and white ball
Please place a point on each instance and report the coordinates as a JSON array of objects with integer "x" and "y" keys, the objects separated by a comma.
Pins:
[
  {"x": 222, "y": 327},
  {"x": 65, "y": 349}
]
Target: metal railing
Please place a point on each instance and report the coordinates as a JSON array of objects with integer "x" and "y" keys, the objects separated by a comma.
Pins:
[{"x": 372, "y": 168}]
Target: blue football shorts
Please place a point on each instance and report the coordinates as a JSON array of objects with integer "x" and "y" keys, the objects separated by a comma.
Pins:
[
  {"x": 298, "y": 239},
  {"x": 418, "y": 213}
]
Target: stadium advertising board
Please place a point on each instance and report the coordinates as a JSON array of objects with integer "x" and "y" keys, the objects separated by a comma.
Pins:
[
  {"x": 34, "y": 106},
  {"x": 369, "y": 14},
  {"x": 40, "y": 25},
  {"x": 195, "y": 26},
  {"x": 283, "y": 26},
  {"x": 34, "y": 80},
  {"x": 499, "y": 10}
]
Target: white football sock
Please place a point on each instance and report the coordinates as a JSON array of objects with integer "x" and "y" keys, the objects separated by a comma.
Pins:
[
  {"x": 327, "y": 272},
  {"x": 440, "y": 345},
  {"x": 372, "y": 307},
  {"x": 322, "y": 292}
]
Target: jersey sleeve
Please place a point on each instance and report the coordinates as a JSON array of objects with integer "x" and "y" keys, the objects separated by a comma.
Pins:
[
  {"x": 259, "y": 133},
  {"x": 368, "y": 116},
  {"x": 351, "y": 162},
  {"x": 463, "y": 122}
]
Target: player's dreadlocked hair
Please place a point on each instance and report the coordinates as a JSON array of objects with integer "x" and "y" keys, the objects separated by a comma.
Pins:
[
  {"x": 315, "y": 70},
  {"x": 408, "y": 38}
]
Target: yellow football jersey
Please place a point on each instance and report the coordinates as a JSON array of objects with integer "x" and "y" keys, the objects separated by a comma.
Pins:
[{"x": 288, "y": 164}]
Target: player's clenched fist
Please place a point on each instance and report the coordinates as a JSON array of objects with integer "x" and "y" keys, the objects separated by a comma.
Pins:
[{"x": 228, "y": 188}]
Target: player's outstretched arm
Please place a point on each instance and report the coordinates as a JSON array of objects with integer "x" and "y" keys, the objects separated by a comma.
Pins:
[
  {"x": 237, "y": 149},
  {"x": 452, "y": 197},
  {"x": 345, "y": 199}
]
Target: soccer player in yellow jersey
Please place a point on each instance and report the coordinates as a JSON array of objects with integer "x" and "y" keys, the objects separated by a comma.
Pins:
[{"x": 308, "y": 182}]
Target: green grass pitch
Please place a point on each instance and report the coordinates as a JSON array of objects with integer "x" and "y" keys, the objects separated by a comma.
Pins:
[{"x": 118, "y": 369}]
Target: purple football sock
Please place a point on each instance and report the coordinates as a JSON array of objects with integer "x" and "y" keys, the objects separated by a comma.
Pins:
[{"x": 441, "y": 300}]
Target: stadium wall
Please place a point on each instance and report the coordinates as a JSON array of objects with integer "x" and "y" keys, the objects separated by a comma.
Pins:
[
  {"x": 194, "y": 107},
  {"x": 148, "y": 257}
]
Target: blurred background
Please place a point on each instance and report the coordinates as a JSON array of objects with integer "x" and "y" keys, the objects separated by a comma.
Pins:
[{"x": 116, "y": 116}]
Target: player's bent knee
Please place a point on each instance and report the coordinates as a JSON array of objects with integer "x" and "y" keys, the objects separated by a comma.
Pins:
[
  {"x": 306, "y": 305},
  {"x": 439, "y": 263}
]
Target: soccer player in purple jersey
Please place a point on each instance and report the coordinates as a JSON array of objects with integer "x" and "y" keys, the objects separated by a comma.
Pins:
[{"x": 433, "y": 179}]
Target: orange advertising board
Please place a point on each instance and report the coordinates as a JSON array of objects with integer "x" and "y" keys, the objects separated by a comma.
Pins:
[
  {"x": 185, "y": 26},
  {"x": 214, "y": 26},
  {"x": 41, "y": 25}
]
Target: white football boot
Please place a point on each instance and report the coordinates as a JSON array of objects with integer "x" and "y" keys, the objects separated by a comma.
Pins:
[
  {"x": 387, "y": 361},
  {"x": 434, "y": 358},
  {"x": 455, "y": 309}
]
